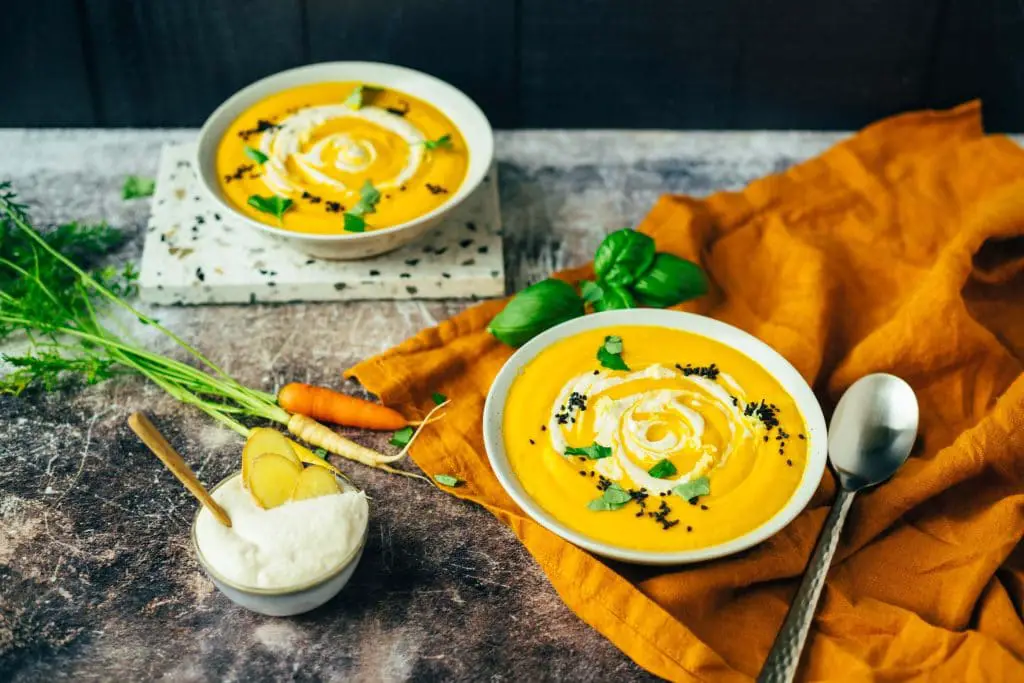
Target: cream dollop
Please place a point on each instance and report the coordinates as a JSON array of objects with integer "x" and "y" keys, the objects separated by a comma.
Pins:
[
  {"x": 286, "y": 546},
  {"x": 287, "y": 139},
  {"x": 644, "y": 427}
]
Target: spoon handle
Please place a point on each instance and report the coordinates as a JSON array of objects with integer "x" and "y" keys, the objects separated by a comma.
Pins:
[
  {"x": 152, "y": 437},
  {"x": 784, "y": 657}
]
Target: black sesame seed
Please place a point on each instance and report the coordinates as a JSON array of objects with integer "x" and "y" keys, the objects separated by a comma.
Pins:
[
  {"x": 703, "y": 507},
  {"x": 789, "y": 462},
  {"x": 340, "y": 286},
  {"x": 374, "y": 272},
  {"x": 412, "y": 261},
  {"x": 801, "y": 437},
  {"x": 532, "y": 442},
  {"x": 411, "y": 290},
  {"x": 689, "y": 528}
]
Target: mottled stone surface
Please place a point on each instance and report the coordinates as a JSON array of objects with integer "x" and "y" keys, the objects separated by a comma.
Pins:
[{"x": 97, "y": 579}]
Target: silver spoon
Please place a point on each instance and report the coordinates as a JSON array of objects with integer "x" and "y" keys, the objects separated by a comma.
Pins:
[{"x": 872, "y": 431}]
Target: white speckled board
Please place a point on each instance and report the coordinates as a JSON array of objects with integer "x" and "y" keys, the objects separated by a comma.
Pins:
[{"x": 193, "y": 254}]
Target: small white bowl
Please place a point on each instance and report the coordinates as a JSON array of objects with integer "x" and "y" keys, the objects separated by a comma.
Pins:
[
  {"x": 452, "y": 102},
  {"x": 284, "y": 602},
  {"x": 746, "y": 344}
]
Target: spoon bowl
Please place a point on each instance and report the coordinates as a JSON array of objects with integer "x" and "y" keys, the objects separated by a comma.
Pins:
[{"x": 872, "y": 430}]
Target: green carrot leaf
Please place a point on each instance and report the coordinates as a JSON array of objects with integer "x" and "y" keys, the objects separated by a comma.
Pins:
[
  {"x": 402, "y": 437},
  {"x": 136, "y": 187}
]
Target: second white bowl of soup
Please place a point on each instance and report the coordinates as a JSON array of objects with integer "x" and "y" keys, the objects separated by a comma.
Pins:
[{"x": 344, "y": 160}]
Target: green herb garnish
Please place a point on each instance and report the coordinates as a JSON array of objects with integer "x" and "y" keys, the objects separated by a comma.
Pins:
[
  {"x": 443, "y": 141},
  {"x": 447, "y": 480},
  {"x": 594, "y": 451},
  {"x": 439, "y": 398},
  {"x": 256, "y": 155},
  {"x": 354, "y": 223},
  {"x": 274, "y": 205},
  {"x": 321, "y": 452},
  {"x": 613, "y": 498},
  {"x": 360, "y": 96},
  {"x": 701, "y": 486},
  {"x": 135, "y": 187},
  {"x": 663, "y": 469},
  {"x": 402, "y": 437},
  {"x": 610, "y": 354},
  {"x": 369, "y": 197}
]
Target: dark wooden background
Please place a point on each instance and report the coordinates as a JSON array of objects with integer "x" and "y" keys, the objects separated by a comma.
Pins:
[{"x": 814, "y": 64}]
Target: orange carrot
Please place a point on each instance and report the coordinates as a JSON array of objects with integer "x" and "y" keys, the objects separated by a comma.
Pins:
[{"x": 321, "y": 403}]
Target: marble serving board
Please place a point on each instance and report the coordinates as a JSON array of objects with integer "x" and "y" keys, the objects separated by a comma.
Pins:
[{"x": 194, "y": 254}]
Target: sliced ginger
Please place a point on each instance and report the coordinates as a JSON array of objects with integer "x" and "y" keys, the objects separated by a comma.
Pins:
[
  {"x": 310, "y": 458},
  {"x": 272, "y": 478},
  {"x": 315, "y": 482},
  {"x": 265, "y": 440}
]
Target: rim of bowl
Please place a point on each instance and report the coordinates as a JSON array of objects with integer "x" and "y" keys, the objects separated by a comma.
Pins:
[
  {"x": 251, "y": 590},
  {"x": 784, "y": 372},
  {"x": 483, "y": 147}
]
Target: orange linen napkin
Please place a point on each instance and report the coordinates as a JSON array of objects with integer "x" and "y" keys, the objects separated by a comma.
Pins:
[{"x": 899, "y": 250}]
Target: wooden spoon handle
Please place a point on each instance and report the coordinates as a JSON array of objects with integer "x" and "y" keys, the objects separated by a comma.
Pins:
[{"x": 152, "y": 437}]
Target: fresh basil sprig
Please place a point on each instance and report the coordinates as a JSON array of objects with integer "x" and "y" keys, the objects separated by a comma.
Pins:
[
  {"x": 628, "y": 273},
  {"x": 535, "y": 309}
]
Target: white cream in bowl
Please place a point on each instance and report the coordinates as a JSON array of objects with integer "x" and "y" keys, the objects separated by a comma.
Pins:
[{"x": 288, "y": 546}]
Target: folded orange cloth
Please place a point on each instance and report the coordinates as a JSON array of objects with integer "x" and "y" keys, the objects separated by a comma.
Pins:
[{"x": 900, "y": 250}]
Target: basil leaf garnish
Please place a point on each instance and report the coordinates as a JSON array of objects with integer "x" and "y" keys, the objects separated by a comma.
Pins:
[
  {"x": 439, "y": 398},
  {"x": 610, "y": 354},
  {"x": 623, "y": 256},
  {"x": 613, "y": 498},
  {"x": 594, "y": 451},
  {"x": 360, "y": 96},
  {"x": 443, "y": 141},
  {"x": 256, "y": 155},
  {"x": 274, "y": 205},
  {"x": 701, "y": 486},
  {"x": 663, "y": 469},
  {"x": 535, "y": 309}
]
